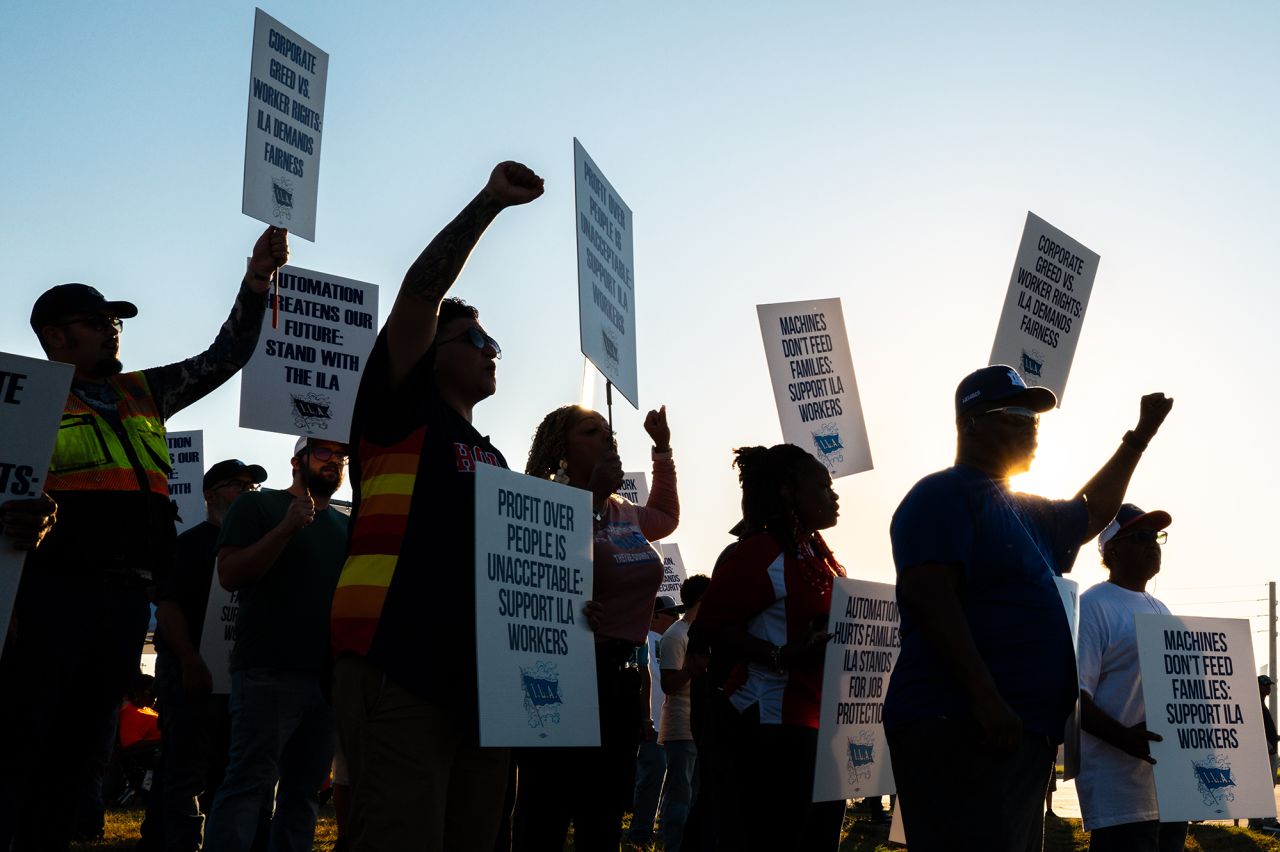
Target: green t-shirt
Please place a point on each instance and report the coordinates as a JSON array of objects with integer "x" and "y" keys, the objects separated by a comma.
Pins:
[{"x": 283, "y": 622}]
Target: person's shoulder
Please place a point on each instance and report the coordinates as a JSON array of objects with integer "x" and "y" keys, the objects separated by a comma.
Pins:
[
  {"x": 945, "y": 483},
  {"x": 760, "y": 547},
  {"x": 941, "y": 487}
]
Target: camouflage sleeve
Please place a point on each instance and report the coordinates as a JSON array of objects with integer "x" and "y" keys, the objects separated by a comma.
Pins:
[{"x": 175, "y": 386}]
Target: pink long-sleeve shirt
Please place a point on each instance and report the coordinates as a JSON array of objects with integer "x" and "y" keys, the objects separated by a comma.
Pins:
[{"x": 627, "y": 569}]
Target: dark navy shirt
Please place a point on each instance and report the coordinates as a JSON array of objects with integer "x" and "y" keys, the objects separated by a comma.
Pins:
[{"x": 1009, "y": 547}]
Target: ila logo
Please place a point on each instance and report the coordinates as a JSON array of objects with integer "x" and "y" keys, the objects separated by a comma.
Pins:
[
  {"x": 282, "y": 197},
  {"x": 1214, "y": 781},
  {"x": 311, "y": 411},
  {"x": 1032, "y": 363},
  {"x": 861, "y": 756},
  {"x": 542, "y": 701}
]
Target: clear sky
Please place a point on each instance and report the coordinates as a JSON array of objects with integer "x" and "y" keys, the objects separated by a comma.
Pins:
[{"x": 886, "y": 154}]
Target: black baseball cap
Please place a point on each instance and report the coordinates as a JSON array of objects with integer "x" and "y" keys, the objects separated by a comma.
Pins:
[
  {"x": 67, "y": 299},
  {"x": 224, "y": 470},
  {"x": 1000, "y": 383}
]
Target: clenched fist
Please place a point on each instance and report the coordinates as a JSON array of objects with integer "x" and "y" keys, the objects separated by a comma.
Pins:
[{"x": 513, "y": 183}]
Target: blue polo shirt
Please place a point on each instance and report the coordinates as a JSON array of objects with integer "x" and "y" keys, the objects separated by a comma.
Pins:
[{"x": 1009, "y": 546}]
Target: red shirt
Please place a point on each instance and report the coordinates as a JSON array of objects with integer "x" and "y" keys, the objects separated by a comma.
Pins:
[{"x": 775, "y": 597}]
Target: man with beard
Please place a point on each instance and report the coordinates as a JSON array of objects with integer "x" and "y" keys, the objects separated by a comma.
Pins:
[
  {"x": 986, "y": 677},
  {"x": 82, "y": 609},
  {"x": 283, "y": 551}
]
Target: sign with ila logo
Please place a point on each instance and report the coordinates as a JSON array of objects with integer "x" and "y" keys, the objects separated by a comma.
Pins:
[
  {"x": 535, "y": 655},
  {"x": 814, "y": 388},
  {"x": 1201, "y": 697},
  {"x": 853, "y": 756}
]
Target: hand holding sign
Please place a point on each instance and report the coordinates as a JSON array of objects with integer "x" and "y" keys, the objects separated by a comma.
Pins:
[
  {"x": 513, "y": 183},
  {"x": 270, "y": 252},
  {"x": 302, "y": 511},
  {"x": 1154, "y": 409},
  {"x": 655, "y": 423},
  {"x": 1136, "y": 741},
  {"x": 26, "y": 522}
]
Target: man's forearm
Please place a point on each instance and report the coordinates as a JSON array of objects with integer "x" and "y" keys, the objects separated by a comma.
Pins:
[
  {"x": 176, "y": 386},
  {"x": 411, "y": 327},
  {"x": 243, "y": 566},
  {"x": 1094, "y": 721},
  {"x": 435, "y": 270},
  {"x": 1105, "y": 491}
]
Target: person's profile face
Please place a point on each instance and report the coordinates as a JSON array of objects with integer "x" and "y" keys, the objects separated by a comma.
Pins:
[
  {"x": 460, "y": 365},
  {"x": 816, "y": 504},
  {"x": 589, "y": 442},
  {"x": 90, "y": 342}
]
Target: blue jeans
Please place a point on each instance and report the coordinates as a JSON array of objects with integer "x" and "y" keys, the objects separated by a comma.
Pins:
[
  {"x": 651, "y": 763},
  {"x": 678, "y": 791},
  {"x": 282, "y": 730}
]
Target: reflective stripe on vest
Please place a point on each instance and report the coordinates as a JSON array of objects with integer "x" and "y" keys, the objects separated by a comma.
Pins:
[{"x": 89, "y": 456}]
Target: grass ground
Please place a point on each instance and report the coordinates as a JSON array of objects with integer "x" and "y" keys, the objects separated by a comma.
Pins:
[{"x": 860, "y": 836}]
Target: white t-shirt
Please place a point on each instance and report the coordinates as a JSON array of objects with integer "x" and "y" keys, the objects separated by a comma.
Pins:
[
  {"x": 675, "y": 710},
  {"x": 656, "y": 695},
  {"x": 1114, "y": 788}
]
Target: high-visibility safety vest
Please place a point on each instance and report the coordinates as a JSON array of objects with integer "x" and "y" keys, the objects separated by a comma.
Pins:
[{"x": 91, "y": 455}]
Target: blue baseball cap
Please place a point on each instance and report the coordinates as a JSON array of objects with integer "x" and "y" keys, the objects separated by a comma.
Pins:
[{"x": 999, "y": 383}]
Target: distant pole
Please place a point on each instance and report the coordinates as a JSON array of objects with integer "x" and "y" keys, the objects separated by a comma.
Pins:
[{"x": 1271, "y": 630}]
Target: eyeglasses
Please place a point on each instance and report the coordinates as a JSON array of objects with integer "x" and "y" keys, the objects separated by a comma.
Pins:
[
  {"x": 238, "y": 484},
  {"x": 324, "y": 454},
  {"x": 1146, "y": 536},
  {"x": 1015, "y": 411},
  {"x": 97, "y": 323},
  {"x": 478, "y": 339}
]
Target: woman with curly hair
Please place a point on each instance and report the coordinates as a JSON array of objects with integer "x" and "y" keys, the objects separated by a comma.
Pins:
[
  {"x": 589, "y": 786},
  {"x": 765, "y": 618}
]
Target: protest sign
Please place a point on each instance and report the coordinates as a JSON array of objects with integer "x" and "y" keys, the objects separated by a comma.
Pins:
[
  {"x": 1201, "y": 696},
  {"x": 32, "y": 395},
  {"x": 1044, "y": 307},
  {"x": 287, "y": 77},
  {"x": 853, "y": 754},
  {"x": 1069, "y": 593},
  {"x": 606, "y": 276},
  {"x": 673, "y": 571},
  {"x": 219, "y": 634},
  {"x": 635, "y": 487},
  {"x": 535, "y": 653},
  {"x": 303, "y": 377},
  {"x": 813, "y": 382},
  {"x": 186, "y": 479}
]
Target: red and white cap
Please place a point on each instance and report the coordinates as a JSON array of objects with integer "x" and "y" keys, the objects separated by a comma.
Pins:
[{"x": 1131, "y": 519}]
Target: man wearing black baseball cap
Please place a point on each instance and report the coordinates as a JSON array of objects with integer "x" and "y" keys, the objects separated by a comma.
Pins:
[
  {"x": 113, "y": 539},
  {"x": 986, "y": 677},
  {"x": 194, "y": 723}
]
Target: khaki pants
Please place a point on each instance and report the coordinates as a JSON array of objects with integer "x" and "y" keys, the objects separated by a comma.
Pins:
[{"x": 415, "y": 783}]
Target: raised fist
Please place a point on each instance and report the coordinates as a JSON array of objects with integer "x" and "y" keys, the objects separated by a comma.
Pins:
[{"x": 513, "y": 183}]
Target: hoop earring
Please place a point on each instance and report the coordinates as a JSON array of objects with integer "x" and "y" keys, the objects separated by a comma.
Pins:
[{"x": 561, "y": 475}]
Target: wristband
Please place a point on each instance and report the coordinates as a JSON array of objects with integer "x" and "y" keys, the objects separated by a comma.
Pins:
[
  {"x": 662, "y": 453},
  {"x": 1133, "y": 441}
]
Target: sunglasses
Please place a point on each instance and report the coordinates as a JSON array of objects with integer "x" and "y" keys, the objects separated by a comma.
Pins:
[
  {"x": 324, "y": 454},
  {"x": 1145, "y": 536},
  {"x": 97, "y": 323},
  {"x": 1015, "y": 411},
  {"x": 478, "y": 339}
]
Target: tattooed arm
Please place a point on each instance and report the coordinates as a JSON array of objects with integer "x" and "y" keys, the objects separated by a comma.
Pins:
[
  {"x": 175, "y": 386},
  {"x": 412, "y": 325}
]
